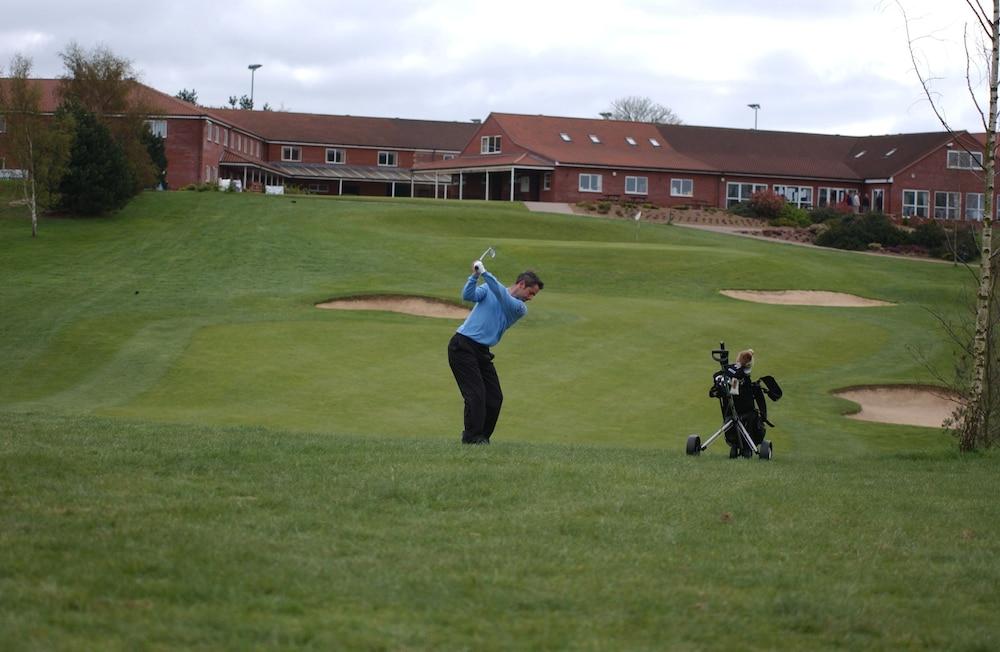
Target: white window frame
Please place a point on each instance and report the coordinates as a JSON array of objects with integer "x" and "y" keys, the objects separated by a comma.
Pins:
[
  {"x": 217, "y": 138},
  {"x": 208, "y": 132},
  {"x": 339, "y": 156},
  {"x": 525, "y": 183},
  {"x": 258, "y": 149},
  {"x": 630, "y": 141},
  {"x": 959, "y": 159},
  {"x": 387, "y": 159},
  {"x": 914, "y": 207},
  {"x": 949, "y": 208},
  {"x": 565, "y": 136},
  {"x": 800, "y": 196},
  {"x": 225, "y": 138},
  {"x": 547, "y": 181},
  {"x": 654, "y": 142},
  {"x": 156, "y": 127},
  {"x": 590, "y": 178},
  {"x": 829, "y": 196},
  {"x": 974, "y": 202},
  {"x": 744, "y": 191},
  {"x": 489, "y": 145},
  {"x": 640, "y": 185},
  {"x": 682, "y": 187},
  {"x": 447, "y": 157},
  {"x": 291, "y": 153},
  {"x": 594, "y": 139}
]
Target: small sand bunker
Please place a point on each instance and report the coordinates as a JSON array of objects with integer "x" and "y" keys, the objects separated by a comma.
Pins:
[
  {"x": 805, "y": 298},
  {"x": 911, "y": 405},
  {"x": 408, "y": 305}
]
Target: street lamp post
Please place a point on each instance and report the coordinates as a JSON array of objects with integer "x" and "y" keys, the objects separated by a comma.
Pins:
[
  {"x": 253, "y": 68},
  {"x": 755, "y": 107}
]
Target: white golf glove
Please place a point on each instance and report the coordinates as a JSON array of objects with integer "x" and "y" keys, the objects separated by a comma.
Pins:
[{"x": 479, "y": 267}]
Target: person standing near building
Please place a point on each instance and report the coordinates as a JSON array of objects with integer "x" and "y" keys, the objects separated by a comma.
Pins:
[{"x": 497, "y": 309}]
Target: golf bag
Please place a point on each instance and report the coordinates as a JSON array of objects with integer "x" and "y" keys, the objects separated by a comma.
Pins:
[{"x": 744, "y": 410}]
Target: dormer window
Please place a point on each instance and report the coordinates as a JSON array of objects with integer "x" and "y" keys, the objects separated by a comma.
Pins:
[
  {"x": 565, "y": 137},
  {"x": 654, "y": 142},
  {"x": 630, "y": 140},
  {"x": 489, "y": 145},
  {"x": 594, "y": 139}
]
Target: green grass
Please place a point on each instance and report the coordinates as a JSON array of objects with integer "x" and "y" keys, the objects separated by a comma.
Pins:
[{"x": 192, "y": 455}]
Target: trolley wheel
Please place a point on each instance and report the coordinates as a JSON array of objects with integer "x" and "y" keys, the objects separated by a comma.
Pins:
[
  {"x": 765, "y": 450},
  {"x": 694, "y": 445}
]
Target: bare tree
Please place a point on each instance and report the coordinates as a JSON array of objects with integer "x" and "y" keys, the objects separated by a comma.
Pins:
[
  {"x": 978, "y": 418},
  {"x": 640, "y": 109},
  {"x": 40, "y": 145}
]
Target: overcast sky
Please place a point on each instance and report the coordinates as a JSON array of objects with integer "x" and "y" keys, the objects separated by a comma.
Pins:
[{"x": 826, "y": 66}]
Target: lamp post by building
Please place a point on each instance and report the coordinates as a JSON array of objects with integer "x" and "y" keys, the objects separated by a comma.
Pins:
[
  {"x": 253, "y": 68},
  {"x": 755, "y": 107}
]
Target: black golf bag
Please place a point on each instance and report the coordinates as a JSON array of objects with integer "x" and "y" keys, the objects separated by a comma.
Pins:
[{"x": 744, "y": 410}]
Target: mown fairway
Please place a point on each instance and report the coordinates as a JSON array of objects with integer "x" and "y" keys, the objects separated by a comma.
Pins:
[{"x": 192, "y": 454}]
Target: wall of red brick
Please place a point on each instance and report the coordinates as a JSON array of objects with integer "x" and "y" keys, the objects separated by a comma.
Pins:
[
  {"x": 184, "y": 147},
  {"x": 566, "y": 187},
  {"x": 933, "y": 175}
]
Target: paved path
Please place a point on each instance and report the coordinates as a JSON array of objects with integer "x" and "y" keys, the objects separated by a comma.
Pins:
[{"x": 548, "y": 207}]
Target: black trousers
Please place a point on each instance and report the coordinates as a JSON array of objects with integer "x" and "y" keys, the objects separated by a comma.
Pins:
[{"x": 472, "y": 365}]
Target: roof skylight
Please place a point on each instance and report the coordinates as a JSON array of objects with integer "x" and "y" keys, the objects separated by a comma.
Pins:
[
  {"x": 565, "y": 136},
  {"x": 594, "y": 139},
  {"x": 861, "y": 153},
  {"x": 630, "y": 140},
  {"x": 654, "y": 142},
  {"x": 890, "y": 152}
]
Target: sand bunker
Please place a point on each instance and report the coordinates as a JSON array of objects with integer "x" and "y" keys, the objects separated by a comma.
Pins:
[
  {"x": 805, "y": 298},
  {"x": 910, "y": 405},
  {"x": 420, "y": 306}
]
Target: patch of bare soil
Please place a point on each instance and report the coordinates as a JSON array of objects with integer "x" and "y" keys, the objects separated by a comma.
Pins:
[
  {"x": 407, "y": 305},
  {"x": 911, "y": 405},
  {"x": 805, "y": 298}
]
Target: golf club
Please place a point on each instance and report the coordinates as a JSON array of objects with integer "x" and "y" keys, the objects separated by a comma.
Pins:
[{"x": 489, "y": 253}]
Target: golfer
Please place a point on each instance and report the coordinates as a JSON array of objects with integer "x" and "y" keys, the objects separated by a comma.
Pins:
[{"x": 497, "y": 309}]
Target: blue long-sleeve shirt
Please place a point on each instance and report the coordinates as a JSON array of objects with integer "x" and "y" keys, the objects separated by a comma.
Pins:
[{"x": 495, "y": 310}]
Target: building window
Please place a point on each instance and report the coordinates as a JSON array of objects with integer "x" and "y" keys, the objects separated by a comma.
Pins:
[
  {"x": 217, "y": 134},
  {"x": 289, "y": 153},
  {"x": 737, "y": 193},
  {"x": 208, "y": 132},
  {"x": 831, "y": 196},
  {"x": 682, "y": 187},
  {"x": 963, "y": 160},
  {"x": 489, "y": 145},
  {"x": 974, "y": 206},
  {"x": 225, "y": 138},
  {"x": 946, "y": 205},
  {"x": 590, "y": 183},
  {"x": 387, "y": 159},
  {"x": 636, "y": 185},
  {"x": 547, "y": 181},
  {"x": 208, "y": 173},
  {"x": 565, "y": 136},
  {"x": 915, "y": 202},
  {"x": 156, "y": 127},
  {"x": 3, "y": 124},
  {"x": 447, "y": 157},
  {"x": 525, "y": 182},
  {"x": 594, "y": 139},
  {"x": 630, "y": 140},
  {"x": 801, "y": 196},
  {"x": 335, "y": 156},
  {"x": 654, "y": 142},
  {"x": 258, "y": 149}
]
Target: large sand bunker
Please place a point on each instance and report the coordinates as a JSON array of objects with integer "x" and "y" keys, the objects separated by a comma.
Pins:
[
  {"x": 911, "y": 405},
  {"x": 408, "y": 305},
  {"x": 805, "y": 298}
]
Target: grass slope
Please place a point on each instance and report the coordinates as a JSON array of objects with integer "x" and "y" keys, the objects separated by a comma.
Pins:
[{"x": 192, "y": 455}]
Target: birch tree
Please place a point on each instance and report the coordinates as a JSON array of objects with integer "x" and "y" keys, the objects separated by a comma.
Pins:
[
  {"x": 40, "y": 145},
  {"x": 978, "y": 419}
]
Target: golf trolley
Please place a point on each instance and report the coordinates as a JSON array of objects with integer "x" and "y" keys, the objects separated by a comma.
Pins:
[{"x": 744, "y": 411}]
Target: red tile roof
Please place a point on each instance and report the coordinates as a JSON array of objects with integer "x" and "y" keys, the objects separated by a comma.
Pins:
[
  {"x": 283, "y": 126},
  {"x": 159, "y": 103},
  {"x": 541, "y": 135}
]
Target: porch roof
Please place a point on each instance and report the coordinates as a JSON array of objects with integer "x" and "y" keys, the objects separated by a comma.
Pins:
[{"x": 357, "y": 173}]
